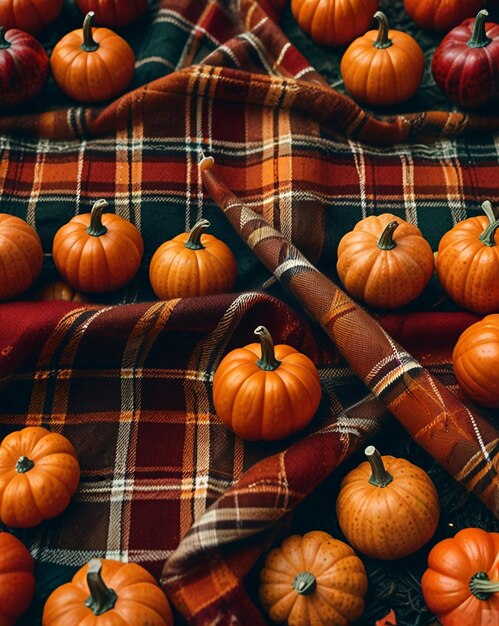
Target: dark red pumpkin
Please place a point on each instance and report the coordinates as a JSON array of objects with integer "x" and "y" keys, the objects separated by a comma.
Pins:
[
  {"x": 441, "y": 15},
  {"x": 113, "y": 13}
]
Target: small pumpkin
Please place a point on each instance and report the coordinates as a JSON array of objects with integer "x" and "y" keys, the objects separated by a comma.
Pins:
[
  {"x": 92, "y": 65},
  {"x": 107, "y": 592},
  {"x": 17, "y": 580},
  {"x": 313, "y": 579},
  {"x": 475, "y": 359},
  {"x": 461, "y": 584},
  {"x": 59, "y": 290},
  {"x": 21, "y": 256},
  {"x": 384, "y": 261},
  {"x": 441, "y": 15},
  {"x": 97, "y": 253},
  {"x": 468, "y": 262},
  {"x": 39, "y": 473},
  {"x": 383, "y": 67},
  {"x": 192, "y": 264},
  {"x": 262, "y": 391},
  {"x": 30, "y": 16},
  {"x": 387, "y": 507},
  {"x": 113, "y": 13}
]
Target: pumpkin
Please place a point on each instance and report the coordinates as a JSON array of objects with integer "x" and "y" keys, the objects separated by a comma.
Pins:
[
  {"x": 30, "y": 16},
  {"x": 383, "y": 67},
  {"x": 21, "y": 256},
  {"x": 262, "y": 391},
  {"x": 17, "y": 580},
  {"x": 384, "y": 261},
  {"x": 387, "y": 507},
  {"x": 468, "y": 262},
  {"x": 441, "y": 15},
  {"x": 475, "y": 359},
  {"x": 24, "y": 67},
  {"x": 59, "y": 290},
  {"x": 313, "y": 579},
  {"x": 333, "y": 22},
  {"x": 108, "y": 592},
  {"x": 92, "y": 65},
  {"x": 461, "y": 584},
  {"x": 465, "y": 64},
  {"x": 192, "y": 264},
  {"x": 39, "y": 473},
  {"x": 97, "y": 253},
  {"x": 113, "y": 13}
]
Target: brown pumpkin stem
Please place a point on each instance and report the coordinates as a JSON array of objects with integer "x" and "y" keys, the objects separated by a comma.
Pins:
[
  {"x": 3, "y": 42},
  {"x": 101, "y": 598},
  {"x": 268, "y": 361},
  {"x": 482, "y": 587},
  {"x": 194, "y": 241},
  {"x": 24, "y": 464},
  {"x": 96, "y": 228},
  {"x": 379, "y": 477},
  {"x": 89, "y": 44},
  {"x": 382, "y": 40},
  {"x": 386, "y": 242},
  {"x": 479, "y": 37},
  {"x": 489, "y": 234},
  {"x": 206, "y": 163},
  {"x": 304, "y": 583}
]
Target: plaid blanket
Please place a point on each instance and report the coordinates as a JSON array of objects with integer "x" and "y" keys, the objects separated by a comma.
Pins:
[{"x": 128, "y": 378}]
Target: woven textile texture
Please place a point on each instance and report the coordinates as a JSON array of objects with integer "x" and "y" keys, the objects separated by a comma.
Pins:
[{"x": 128, "y": 378}]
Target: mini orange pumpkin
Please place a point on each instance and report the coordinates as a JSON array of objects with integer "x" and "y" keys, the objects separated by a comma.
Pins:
[
  {"x": 17, "y": 580},
  {"x": 441, "y": 15},
  {"x": 39, "y": 473},
  {"x": 262, "y": 391},
  {"x": 30, "y": 16},
  {"x": 113, "y": 13},
  {"x": 313, "y": 580},
  {"x": 59, "y": 290},
  {"x": 387, "y": 508}
]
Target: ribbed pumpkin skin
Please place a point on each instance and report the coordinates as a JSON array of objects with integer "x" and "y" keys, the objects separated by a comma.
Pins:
[
  {"x": 30, "y": 16},
  {"x": 59, "y": 290},
  {"x": 21, "y": 256},
  {"x": 476, "y": 361},
  {"x": 334, "y": 22},
  {"x": 446, "y": 583},
  {"x": 17, "y": 581},
  {"x": 341, "y": 579},
  {"x": 441, "y": 15},
  {"x": 113, "y": 13}
]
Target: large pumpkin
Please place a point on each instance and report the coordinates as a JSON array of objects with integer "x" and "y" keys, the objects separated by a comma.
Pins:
[
  {"x": 39, "y": 473},
  {"x": 113, "y": 13},
  {"x": 441, "y": 15},
  {"x": 108, "y": 593},
  {"x": 313, "y": 580},
  {"x": 461, "y": 584},
  {"x": 262, "y": 391},
  {"x": 17, "y": 580},
  {"x": 30, "y": 16}
]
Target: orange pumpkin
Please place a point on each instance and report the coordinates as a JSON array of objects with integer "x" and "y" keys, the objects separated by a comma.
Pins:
[
  {"x": 17, "y": 580},
  {"x": 262, "y": 391},
  {"x": 113, "y": 13},
  {"x": 333, "y": 22},
  {"x": 92, "y": 65},
  {"x": 468, "y": 262},
  {"x": 21, "y": 256},
  {"x": 384, "y": 261},
  {"x": 31, "y": 16},
  {"x": 39, "y": 473},
  {"x": 59, "y": 290},
  {"x": 387, "y": 507},
  {"x": 461, "y": 584},
  {"x": 313, "y": 580},
  {"x": 476, "y": 361},
  {"x": 383, "y": 67},
  {"x": 110, "y": 593},
  {"x": 192, "y": 264},
  {"x": 97, "y": 253},
  {"x": 441, "y": 15}
]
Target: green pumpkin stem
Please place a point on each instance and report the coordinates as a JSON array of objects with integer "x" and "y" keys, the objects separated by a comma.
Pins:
[
  {"x": 194, "y": 241},
  {"x": 267, "y": 362},
  {"x": 101, "y": 598},
  {"x": 24, "y": 464},
  {"x": 379, "y": 477},
  {"x": 489, "y": 234},
  {"x": 96, "y": 228},
  {"x": 479, "y": 37},
  {"x": 89, "y": 44},
  {"x": 382, "y": 40},
  {"x": 304, "y": 583},
  {"x": 3, "y": 42},
  {"x": 482, "y": 587},
  {"x": 386, "y": 242}
]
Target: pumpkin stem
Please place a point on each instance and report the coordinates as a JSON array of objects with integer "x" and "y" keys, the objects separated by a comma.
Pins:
[
  {"x": 479, "y": 37},
  {"x": 304, "y": 583},
  {"x": 382, "y": 40},
  {"x": 89, "y": 44},
  {"x": 386, "y": 242},
  {"x": 482, "y": 587},
  {"x": 3, "y": 42},
  {"x": 96, "y": 228},
  {"x": 206, "y": 163},
  {"x": 194, "y": 241},
  {"x": 379, "y": 477},
  {"x": 24, "y": 464},
  {"x": 267, "y": 362},
  {"x": 101, "y": 598},
  {"x": 488, "y": 235}
]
